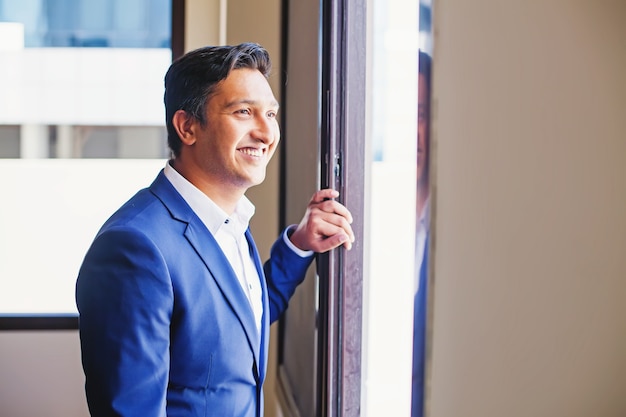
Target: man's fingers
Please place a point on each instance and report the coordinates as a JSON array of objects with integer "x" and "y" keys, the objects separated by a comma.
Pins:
[
  {"x": 331, "y": 242},
  {"x": 333, "y": 231},
  {"x": 331, "y": 206},
  {"x": 326, "y": 224},
  {"x": 323, "y": 195},
  {"x": 323, "y": 200},
  {"x": 334, "y": 218}
]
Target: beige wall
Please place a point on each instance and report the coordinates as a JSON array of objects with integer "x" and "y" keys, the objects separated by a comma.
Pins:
[
  {"x": 41, "y": 375},
  {"x": 203, "y": 23},
  {"x": 530, "y": 209}
]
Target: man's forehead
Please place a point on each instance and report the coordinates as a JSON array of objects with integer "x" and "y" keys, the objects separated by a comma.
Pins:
[{"x": 251, "y": 89}]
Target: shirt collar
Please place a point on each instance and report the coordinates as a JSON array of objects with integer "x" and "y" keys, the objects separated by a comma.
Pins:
[{"x": 210, "y": 213}]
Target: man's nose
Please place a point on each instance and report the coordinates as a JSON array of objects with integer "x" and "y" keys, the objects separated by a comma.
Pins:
[{"x": 265, "y": 129}]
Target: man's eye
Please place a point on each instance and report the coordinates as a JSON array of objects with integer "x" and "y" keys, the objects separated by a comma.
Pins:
[
  {"x": 243, "y": 111},
  {"x": 271, "y": 114}
]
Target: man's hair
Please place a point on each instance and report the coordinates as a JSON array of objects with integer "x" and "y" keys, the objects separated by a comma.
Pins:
[
  {"x": 425, "y": 63},
  {"x": 192, "y": 78}
]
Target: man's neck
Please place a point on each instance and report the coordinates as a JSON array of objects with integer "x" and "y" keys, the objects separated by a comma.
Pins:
[{"x": 223, "y": 196}]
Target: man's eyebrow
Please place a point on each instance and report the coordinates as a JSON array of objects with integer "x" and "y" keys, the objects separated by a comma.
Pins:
[{"x": 249, "y": 102}]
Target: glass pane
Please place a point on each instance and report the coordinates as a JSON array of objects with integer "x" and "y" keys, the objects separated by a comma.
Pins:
[
  {"x": 399, "y": 201},
  {"x": 81, "y": 129}
]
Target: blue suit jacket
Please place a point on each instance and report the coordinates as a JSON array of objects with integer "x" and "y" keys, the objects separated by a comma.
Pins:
[
  {"x": 419, "y": 337},
  {"x": 165, "y": 328}
]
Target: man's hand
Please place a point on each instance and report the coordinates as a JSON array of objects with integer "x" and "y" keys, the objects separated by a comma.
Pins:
[{"x": 325, "y": 225}]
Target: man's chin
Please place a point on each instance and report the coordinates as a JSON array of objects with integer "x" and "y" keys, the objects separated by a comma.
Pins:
[{"x": 256, "y": 180}]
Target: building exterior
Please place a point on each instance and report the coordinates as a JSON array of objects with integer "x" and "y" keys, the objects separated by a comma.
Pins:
[{"x": 82, "y": 127}]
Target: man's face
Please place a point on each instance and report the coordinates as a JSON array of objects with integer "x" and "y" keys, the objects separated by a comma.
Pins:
[
  {"x": 423, "y": 141},
  {"x": 241, "y": 132}
]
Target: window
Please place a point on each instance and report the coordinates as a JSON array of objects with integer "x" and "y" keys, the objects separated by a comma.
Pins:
[
  {"x": 332, "y": 365},
  {"x": 81, "y": 130}
]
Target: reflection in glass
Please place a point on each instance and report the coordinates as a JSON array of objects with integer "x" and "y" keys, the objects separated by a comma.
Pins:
[{"x": 422, "y": 233}]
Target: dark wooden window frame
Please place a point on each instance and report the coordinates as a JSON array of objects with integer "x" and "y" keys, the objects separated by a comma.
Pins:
[
  {"x": 342, "y": 154},
  {"x": 14, "y": 322},
  {"x": 343, "y": 167}
]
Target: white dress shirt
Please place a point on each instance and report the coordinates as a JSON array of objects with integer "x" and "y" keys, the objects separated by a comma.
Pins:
[
  {"x": 229, "y": 232},
  {"x": 423, "y": 224}
]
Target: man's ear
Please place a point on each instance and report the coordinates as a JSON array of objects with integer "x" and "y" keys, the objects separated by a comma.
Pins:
[{"x": 185, "y": 126}]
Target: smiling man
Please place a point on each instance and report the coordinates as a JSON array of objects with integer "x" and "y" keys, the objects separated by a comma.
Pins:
[{"x": 174, "y": 303}]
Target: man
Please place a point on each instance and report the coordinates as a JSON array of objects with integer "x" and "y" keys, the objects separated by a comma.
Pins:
[
  {"x": 174, "y": 304},
  {"x": 422, "y": 234}
]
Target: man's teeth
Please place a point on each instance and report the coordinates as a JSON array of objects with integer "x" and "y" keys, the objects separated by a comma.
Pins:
[{"x": 252, "y": 152}]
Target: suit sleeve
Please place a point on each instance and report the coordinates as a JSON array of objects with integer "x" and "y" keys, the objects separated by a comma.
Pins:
[
  {"x": 284, "y": 271},
  {"x": 124, "y": 298}
]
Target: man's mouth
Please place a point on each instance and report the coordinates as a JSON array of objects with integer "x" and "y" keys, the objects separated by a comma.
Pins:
[{"x": 252, "y": 152}]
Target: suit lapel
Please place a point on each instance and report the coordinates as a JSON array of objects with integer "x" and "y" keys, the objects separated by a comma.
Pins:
[
  {"x": 212, "y": 256},
  {"x": 265, "y": 321}
]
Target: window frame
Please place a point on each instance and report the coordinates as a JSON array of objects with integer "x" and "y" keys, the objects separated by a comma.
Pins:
[
  {"x": 343, "y": 167},
  {"x": 342, "y": 157}
]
